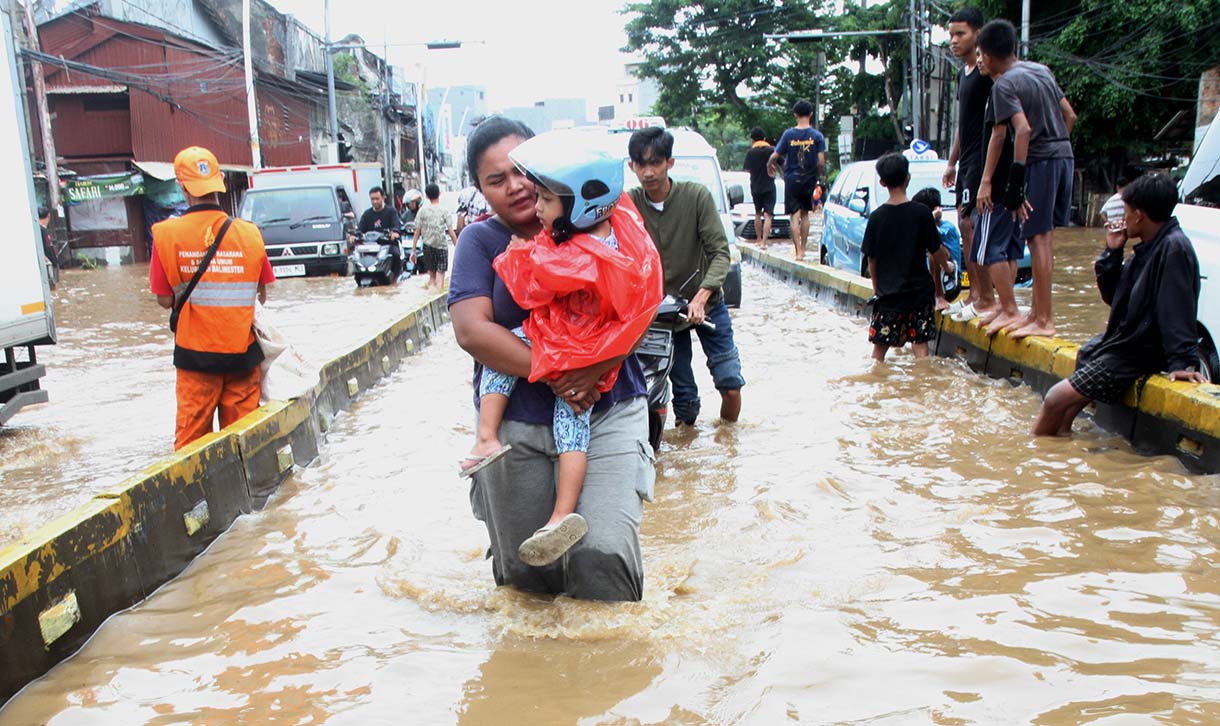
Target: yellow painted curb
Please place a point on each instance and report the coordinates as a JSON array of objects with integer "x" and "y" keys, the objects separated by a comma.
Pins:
[
  {"x": 1193, "y": 407},
  {"x": 60, "y": 582}
]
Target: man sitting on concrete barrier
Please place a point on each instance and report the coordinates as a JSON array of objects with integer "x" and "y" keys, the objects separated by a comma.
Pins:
[
  {"x": 1153, "y": 299},
  {"x": 215, "y": 351}
]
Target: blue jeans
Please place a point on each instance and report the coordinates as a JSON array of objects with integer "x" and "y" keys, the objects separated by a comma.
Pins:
[{"x": 723, "y": 361}]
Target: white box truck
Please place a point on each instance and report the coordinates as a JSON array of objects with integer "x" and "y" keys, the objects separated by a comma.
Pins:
[
  {"x": 26, "y": 318},
  {"x": 298, "y": 210}
]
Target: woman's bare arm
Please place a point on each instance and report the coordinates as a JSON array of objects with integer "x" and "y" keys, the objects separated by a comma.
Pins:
[{"x": 487, "y": 341}]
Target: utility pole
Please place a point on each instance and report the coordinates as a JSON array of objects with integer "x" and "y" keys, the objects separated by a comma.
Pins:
[
  {"x": 386, "y": 148},
  {"x": 915, "y": 110},
  {"x": 819, "y": 68},
  {"x": 420, "y": 105},
  {"x": 1024, "y": 29},
  {"x": 333, "y": 117},
  {"x": 44, "y": 114},
  {"x": 256, "y": 154}
]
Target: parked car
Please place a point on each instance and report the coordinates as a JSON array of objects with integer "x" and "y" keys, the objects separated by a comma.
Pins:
[
  {"x": 1199, "y": 215},
  {"x": 743, "y": 214},
  {"x": 858, "y": 191},
  {"x": 694, "y": 160}
]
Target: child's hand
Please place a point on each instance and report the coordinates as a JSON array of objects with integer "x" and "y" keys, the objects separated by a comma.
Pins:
[{"x": 515, "y": 241}]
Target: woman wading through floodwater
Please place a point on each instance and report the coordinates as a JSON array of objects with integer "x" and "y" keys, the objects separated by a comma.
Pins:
[{"x": 515, "y": 495}]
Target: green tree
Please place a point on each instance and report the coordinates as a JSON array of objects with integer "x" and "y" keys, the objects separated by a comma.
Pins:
[
  {"x": 1127, "y": 68},
  {"x": 711, "y": 54},
  {"x": 717, "y": 73}
]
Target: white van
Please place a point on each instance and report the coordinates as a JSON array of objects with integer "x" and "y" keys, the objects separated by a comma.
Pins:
[
  {"x": 1199, "y": 215},
  {"x": 694, "y": 160}
]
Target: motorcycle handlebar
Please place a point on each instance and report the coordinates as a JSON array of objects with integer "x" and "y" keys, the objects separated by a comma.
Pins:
[{"x": 705, "y": 324}]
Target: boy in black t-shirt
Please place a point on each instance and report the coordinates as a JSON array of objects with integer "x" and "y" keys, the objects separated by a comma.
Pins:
[
  {"x": 900, "y": 236},
  {"x": 762, "y": 184}
]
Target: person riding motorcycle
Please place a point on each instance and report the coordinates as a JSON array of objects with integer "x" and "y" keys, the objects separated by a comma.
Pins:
[
  {"x": 412, "y": 200},
  {"x": 381, "y": 217}
]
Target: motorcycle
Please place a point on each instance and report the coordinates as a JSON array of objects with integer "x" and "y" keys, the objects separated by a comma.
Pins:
[
  {"x": 417, "y": 267},
  {"x": 376, "y": 260},
  {"x": 656, "y": 356}
]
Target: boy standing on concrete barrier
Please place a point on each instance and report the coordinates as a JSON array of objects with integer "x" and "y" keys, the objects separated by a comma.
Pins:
[
  {"x": 801, "y": 155},
  {"x": 897, "y": 241},
  {"x": 1026, "y": 98},
  {"x": 965, "y": 167},
  {"x": 1153, "y": 299}
]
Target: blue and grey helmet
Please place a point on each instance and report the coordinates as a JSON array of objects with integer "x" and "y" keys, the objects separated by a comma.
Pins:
[{"x": 587, "y": 181}]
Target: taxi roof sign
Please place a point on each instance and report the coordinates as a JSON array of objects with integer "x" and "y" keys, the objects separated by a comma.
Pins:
[{"x": 920, "y": 150}]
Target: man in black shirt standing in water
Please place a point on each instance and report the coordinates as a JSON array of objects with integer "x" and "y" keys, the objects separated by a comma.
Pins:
[
  {"x": 762, "y": 184},
  {"x": 973, "y": 89}
]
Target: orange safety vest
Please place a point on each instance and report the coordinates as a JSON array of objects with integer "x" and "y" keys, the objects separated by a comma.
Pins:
[{"x": 216, "y": 327}]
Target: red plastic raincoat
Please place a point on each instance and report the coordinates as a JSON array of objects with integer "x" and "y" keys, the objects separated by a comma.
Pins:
[{"x": 588, "y": 303}]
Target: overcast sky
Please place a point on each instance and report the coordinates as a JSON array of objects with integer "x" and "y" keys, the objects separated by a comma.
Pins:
[{"x": 533, "y": 49}]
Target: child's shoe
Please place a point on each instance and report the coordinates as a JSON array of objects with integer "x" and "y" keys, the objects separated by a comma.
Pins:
[{"x": 550, "y": 543}]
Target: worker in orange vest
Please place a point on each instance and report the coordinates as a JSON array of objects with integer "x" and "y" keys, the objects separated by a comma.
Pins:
[{"x": 215, "y": 351}]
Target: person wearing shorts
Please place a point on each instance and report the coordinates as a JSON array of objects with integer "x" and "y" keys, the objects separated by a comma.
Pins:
[
  {"x": 434, "y": 225},
  {"x": 802, "y": 153},
  {"x": 997, "y": 245},
  {"x": 1153, "y": 298},
  {"x": 898, "y": 240},
  {"x": 1026, "y": 97},
  {"x": 762, "y": 184},
  {"x": 965, "y": 164}
]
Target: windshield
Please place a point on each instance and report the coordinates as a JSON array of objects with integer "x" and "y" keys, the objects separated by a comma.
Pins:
[
  {"x": 702, "y": 169},
  {"x": 289, "y": 206},
  {"x": 924, "y": 178},
  {"x": 1206, "y": 194}
]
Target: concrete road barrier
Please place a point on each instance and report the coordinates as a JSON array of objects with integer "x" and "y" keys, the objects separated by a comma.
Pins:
[
  {"x": 1157, "y": 415},
  {"x": 59, "y": 584}
]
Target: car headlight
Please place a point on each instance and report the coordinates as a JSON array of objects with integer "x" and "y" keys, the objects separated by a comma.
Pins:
[{"x": 330, "y": 249}]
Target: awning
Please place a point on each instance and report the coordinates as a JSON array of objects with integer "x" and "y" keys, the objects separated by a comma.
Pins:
[
  {"x": 164, "y": 170},
  {"x": 319, "y": 80},
  {"x": 82, "y": 90}
]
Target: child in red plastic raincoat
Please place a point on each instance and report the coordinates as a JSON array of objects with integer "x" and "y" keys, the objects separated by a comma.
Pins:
[{"x": 592, "y": 281}]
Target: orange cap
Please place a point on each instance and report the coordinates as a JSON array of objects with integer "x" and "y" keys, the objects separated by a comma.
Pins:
[{"x": 197, "y": 169}]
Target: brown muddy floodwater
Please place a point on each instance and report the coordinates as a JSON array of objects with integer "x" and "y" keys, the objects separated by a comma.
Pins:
[
  {"x": 111, "y": 380},
  {"x": 871, "y": 545}
]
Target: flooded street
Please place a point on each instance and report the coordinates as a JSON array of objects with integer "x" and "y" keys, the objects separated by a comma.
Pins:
[
  {"x": 111, "y": 380},
  {"x": 871, "y": 545}
]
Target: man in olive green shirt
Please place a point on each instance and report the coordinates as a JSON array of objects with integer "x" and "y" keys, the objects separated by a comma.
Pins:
[{"x": 682, "y": 219}]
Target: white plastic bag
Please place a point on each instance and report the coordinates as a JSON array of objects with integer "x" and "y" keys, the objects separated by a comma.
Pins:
[{"x": 286, "y": 373}]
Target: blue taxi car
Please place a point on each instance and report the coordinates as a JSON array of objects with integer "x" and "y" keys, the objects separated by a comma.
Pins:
[{"x": 857, "y": 191}]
